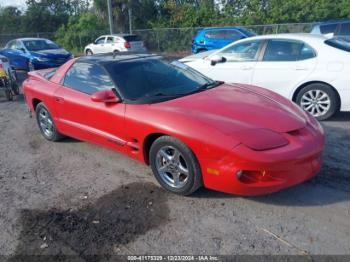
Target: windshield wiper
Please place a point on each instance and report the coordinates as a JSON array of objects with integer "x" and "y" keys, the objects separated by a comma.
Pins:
[{"x": 209, "y": 85}]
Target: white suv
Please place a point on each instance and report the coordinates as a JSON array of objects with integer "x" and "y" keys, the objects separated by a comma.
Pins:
[{"x": 115, "y": 43}]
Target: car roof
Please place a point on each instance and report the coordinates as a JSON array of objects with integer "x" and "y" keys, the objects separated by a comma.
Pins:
[
  {"x": 30, "y": 38},
  {"x": 335, "y": 21},
  {"x": 224, "y": 27},
  {"x": 119, "y": 35},
  {"x": 120, "y": 57},
  {"x": 295, "y": 36}
]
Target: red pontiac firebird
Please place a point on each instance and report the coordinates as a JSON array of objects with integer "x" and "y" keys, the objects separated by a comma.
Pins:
[{"x": 191, "y": 130}]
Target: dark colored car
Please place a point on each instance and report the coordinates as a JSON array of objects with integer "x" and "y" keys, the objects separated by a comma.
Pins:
[
  {"x": 34, "y": 53},
  {"x": 339, "y": 28},
  {"x": 216, "y": 38}
]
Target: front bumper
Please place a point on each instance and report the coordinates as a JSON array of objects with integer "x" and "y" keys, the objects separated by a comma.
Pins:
[
  {"x": 47, "y": 64},
  {"x": 267, "y": 171}
]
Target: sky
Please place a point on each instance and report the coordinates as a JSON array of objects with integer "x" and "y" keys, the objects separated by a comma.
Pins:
[{"x": 19, "y": 3}]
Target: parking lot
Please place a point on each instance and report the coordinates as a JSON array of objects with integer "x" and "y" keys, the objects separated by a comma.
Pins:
[{"x": 74, "y": 198}]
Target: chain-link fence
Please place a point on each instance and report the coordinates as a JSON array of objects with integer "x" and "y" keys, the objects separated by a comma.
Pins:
[
  {"x": 180, "y": 39},
  {"x": 170, "y": 40}
]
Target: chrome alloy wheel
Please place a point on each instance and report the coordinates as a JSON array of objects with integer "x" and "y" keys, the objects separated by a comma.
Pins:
[
  {"x": 45, "y": 122},
  {"x": 172, "y": 167},
  {"x": 316, "y": 102}
]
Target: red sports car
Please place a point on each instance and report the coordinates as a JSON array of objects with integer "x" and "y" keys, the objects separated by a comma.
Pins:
[{"x": 191, "y": 130}]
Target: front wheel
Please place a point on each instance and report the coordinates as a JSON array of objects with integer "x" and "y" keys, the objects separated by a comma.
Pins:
[
  {"x": 320, "y": 100},
  {"x": 46, "y": 124},
  {"x": 175, "y": 166},
  {"x": 89, "y": 52}
]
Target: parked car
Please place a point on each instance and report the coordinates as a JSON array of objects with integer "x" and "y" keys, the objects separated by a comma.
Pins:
[
  {"x": 333, "y": 28},
  {"x": 35, "y": 53},
  {"x": 311, "y": 70},
  {"x": 191, "y": 130},
  {"x": 216, "y": 38},
  {"x": 115, "y": 43}
]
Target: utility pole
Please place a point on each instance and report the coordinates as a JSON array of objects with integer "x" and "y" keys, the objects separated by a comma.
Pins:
[
  {"x": 130, "y": 19},
  {"x": 110, "y": 17}
]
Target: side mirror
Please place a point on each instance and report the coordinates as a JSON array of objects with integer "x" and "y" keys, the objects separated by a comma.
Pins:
[
  {"x": 22, "y": 49},
  {"x": 105, "y": 96},
  {"x": 217, "y": 59}
]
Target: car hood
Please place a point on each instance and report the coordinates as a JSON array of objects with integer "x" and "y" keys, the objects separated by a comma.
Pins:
[
  {"x": 232, "y": 108},
  {"x": 52, "y": 53},
  {"x": 196, "y": 56}
]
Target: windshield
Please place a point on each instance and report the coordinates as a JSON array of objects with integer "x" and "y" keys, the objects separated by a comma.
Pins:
[
  {"x": 40, "y": 44},
  {"x": 132, "y": 38},
  {"x": 339, "y": 43},
  {"x": 153, "y": 79}
]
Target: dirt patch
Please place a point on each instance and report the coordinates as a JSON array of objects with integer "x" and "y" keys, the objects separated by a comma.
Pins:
[{"x": 99, "y": 228}]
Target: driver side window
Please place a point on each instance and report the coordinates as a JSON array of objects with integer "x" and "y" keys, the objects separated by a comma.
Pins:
[
  {"x": 87, "y": 78},
  {"x": 243, "y": 52},
  {"x": 100, "y": 40}
]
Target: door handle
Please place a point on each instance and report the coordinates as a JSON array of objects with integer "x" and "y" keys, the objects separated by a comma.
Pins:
[
  {"x": 246, "y": 67},
  {"x": 59, "y": 99},
  {"x": 300, "y": 68}
]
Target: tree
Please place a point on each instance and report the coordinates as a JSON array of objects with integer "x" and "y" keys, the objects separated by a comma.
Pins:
[
  {"x": 80, "y": 31},
  {"x": 11, "y": 19}
]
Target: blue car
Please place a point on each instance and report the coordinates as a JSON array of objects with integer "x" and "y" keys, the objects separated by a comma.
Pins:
[
  {"x": 34, "y": 53},
  {"x": 216, "y": 38},
  {"x": 338, "y": 28}
]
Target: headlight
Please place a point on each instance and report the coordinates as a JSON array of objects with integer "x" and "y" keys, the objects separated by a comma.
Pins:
[
  {"x": 42, "y": 59},
  {"x": 260, "y": 139}
]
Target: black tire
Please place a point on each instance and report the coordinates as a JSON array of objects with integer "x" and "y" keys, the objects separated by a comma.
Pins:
[
  {"x": 194, "y": 178},
  {"x": 54, "y": 135},
  {"x": 9, "y": 94},
  {"x": 201, "y": 51},
  {"x": 15, "y": 88},
  {"x": 326, "y": 89},
  {"x": 88, "y": 52}
]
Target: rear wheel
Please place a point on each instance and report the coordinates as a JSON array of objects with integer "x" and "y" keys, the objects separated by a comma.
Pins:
[
  {"x": 175, "y": 166},
  {"x": 46, "y": 124},
  {"x": 320, "y": 100},
  {"x": 89, "y": 52}
]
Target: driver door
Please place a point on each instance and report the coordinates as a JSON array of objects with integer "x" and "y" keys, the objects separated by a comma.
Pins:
[
  {"x": 99, "y": 46},
  {"x": 84, "y": 119},
  {"x": 238, "y": 67}
]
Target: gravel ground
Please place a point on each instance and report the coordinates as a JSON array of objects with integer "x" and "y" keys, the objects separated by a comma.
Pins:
[{"x": 75, "y": 198}]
